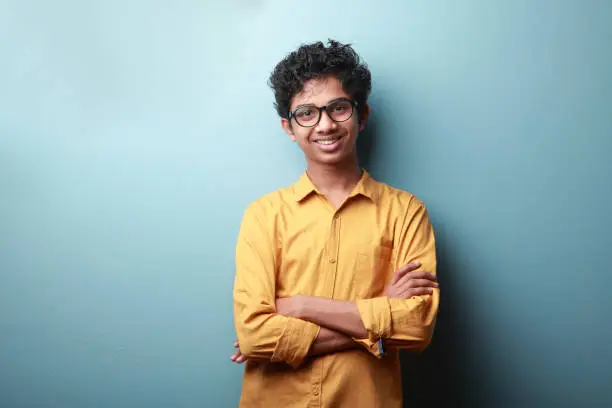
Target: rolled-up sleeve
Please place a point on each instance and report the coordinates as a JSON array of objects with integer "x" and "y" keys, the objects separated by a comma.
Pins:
[
  {"x": 405, "y": 323},
  {"x": 261, "y": 332}
]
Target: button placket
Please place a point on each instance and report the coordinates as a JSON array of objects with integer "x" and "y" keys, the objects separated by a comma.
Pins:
[
  {"x": 317, "y": 371},
  {"x": 331, "y": 249},
  {"x": 332, "y": 252}
]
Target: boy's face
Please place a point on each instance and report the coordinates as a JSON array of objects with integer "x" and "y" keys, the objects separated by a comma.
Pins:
[{"x": 328, "y": 142}]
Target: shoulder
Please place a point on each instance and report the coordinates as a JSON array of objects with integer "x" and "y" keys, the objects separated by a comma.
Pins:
[
  {"x": 398, "y": 199},
  {"x": 270, "y": 203}
]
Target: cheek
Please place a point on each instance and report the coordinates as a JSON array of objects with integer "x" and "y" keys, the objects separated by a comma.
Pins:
[
  {"x": 300, "y": 135},
  {"x": 352, "y": 127}
]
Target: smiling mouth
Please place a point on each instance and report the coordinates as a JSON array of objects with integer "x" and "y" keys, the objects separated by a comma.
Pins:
[{"x": 328, "y": 141}]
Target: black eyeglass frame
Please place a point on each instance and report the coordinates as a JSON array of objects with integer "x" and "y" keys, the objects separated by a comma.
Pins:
[{"x": 320, "y": 109}]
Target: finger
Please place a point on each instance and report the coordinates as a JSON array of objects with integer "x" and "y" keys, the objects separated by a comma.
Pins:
[
  {"x": 419, "y": 283},
  {"x": 236, "y": 356},
  {"x": 241, "y": 359},
  {"x": 418, "y": 292},
  {"x": 236, "y": 345},
  {"x": 403, "y": 271},
  {"x": 418, "y": 275}
]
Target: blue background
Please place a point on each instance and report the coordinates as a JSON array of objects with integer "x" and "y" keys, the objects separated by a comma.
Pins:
[{"x": 133, "y": 135}]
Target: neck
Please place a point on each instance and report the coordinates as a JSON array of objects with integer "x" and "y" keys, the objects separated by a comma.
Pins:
[{"x": 339, "y": 178}]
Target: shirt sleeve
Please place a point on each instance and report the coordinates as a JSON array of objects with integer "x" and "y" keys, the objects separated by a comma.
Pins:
[
  {"x": 405, "y": 323},
  {"x": 261, "y": 332}
]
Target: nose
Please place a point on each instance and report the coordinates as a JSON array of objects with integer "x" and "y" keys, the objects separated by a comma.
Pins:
[{"x": 326, "y": 124}]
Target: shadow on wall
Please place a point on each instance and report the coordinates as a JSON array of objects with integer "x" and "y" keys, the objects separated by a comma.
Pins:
[
  {"x": 441, "y": 376},
  {"x": 365, "y": 142}
]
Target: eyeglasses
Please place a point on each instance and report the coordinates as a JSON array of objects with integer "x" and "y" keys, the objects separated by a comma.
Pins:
[{"x": 339, "y": 110}]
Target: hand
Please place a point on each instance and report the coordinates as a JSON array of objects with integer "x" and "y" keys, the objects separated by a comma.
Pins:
[
  {"x": 238, "y": 357},
  {"x": 408, "y": 282}
]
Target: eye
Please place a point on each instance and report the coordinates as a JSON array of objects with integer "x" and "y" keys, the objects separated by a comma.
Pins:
[
  {"x": 340, "y": 106},
  {"x": 305, "y": 112}
]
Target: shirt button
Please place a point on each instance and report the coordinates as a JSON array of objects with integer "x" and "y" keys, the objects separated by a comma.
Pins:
[
  {"x": 332, "y": 260},
  {"x": 315, "y": 393}
]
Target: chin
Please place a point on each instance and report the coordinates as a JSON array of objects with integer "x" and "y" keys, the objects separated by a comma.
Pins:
[{"x": 333, "y": 159}]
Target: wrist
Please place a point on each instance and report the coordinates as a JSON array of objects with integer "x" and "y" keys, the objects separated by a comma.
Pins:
[{"x": 303, "y": 307}]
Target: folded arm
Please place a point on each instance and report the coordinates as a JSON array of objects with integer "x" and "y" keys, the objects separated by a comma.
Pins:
[
  {"x": 327, "y": 342},
  {"x": 263, "y": 331},
  {"x": 337, "y": 315},
  {"x": 400, "y": 321},
  {"x": 330, "y": 341},
  {"x": 407, "y": 323}
]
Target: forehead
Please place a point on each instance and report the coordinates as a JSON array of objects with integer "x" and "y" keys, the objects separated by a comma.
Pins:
[{"x": 319, "y": 92}]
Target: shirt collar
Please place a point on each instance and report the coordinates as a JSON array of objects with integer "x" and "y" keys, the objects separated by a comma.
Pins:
[{"x": 365, "y": 187}]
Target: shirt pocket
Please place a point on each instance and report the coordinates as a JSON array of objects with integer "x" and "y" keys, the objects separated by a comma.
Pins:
[{"x": 372, "y": 269}]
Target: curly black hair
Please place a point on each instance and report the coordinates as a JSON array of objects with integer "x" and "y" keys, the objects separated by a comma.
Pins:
[{"x": 315, "y": 60}]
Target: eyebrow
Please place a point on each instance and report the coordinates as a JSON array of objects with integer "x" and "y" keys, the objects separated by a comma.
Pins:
[{"x": 341, "y": 98}]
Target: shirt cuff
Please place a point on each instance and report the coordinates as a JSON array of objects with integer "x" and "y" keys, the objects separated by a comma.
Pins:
[
  {"x": 375, "y": 348},
  {"x": 295, "y": 342},
  {"x": 376, "y": 317}
]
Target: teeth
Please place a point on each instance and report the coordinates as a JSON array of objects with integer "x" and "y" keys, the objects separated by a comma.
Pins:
[{"x": 327, "y": 141}]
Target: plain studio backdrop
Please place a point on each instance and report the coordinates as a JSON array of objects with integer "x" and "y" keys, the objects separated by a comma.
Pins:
[{"x": 134, "y": 134}]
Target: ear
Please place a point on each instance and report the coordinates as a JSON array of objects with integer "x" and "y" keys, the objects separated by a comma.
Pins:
[
  {"x": 364, "y": 117},
  {"x": 286, "y": 124}
]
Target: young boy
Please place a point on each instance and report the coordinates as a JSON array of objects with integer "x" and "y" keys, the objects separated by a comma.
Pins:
[{"x": 336, "y": 273}]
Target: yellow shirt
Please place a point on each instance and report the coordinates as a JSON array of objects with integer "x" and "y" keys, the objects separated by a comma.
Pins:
[{"x": 293, "y": 242}]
